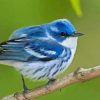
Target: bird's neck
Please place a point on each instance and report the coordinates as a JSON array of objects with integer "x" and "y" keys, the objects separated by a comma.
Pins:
[{"x": 70, "y": 43}]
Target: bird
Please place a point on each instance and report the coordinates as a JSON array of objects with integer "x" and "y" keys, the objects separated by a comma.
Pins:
[{"x": 41, "y": 52}]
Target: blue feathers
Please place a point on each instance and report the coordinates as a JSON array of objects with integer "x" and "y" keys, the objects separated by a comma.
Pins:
[
  {"x": 63, "y": 25},
  {"x": 43, "y": 50},
  {"x": 27, "y": 49},
  {"x": 29, "y": 32},
  {"x": 14, "y": 50}
]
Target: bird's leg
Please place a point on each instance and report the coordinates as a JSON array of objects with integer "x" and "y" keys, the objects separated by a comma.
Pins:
[
  {"x": 25, "y": 89},
  {"x": 24, "y": 85}
]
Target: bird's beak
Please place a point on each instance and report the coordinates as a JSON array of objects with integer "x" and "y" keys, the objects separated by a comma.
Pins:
[{"x": 76, "y": 34}]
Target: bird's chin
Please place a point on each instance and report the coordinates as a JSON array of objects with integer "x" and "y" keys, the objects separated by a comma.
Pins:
[{"x": 70, "y": 42}]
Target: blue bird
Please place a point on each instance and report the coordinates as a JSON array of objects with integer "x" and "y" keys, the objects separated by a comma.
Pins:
[{"x": 41, "y": 51}]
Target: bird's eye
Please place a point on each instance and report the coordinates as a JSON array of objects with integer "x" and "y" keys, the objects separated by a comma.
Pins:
[{"x": 63, "y": 34}]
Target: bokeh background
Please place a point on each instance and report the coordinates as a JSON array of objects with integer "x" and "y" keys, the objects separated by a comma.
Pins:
[{"x": 85, "y": 16}]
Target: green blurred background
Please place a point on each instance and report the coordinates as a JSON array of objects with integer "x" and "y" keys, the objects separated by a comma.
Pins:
[{"x": 18, "y": 13}]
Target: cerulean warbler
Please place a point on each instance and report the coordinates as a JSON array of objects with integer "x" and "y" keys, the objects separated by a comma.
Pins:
[{"x": 41, "y": 51}]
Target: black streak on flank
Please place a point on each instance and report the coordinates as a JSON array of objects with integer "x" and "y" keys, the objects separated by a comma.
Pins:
[
  {"x": 51, "y": 69},
  {"x": 55, "y": 72},
  {"x": 39, "y": 69},
  {"x": 41, "y": 76}
]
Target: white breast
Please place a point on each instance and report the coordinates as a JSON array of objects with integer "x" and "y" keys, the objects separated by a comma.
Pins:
[{"x": 72, "y": 44}]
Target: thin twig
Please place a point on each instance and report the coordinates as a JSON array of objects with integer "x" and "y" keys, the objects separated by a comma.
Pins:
[{"x": 80, "y": 74}]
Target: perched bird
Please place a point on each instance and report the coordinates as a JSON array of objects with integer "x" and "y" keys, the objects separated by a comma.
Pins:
[{"x": 41, "y": 51}]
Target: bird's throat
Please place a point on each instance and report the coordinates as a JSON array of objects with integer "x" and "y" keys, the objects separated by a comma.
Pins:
[{"x": 70, "y": 42}]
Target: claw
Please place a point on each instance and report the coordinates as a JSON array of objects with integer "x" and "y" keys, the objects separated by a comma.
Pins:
[{"x": 51, "y": 81}]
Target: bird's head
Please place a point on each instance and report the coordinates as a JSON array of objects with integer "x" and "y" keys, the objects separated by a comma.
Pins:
[
  {"x": 62, "y": 29},
  {"x": 63, "y": 32}
]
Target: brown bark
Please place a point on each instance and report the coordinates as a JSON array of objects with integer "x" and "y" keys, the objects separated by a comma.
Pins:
[{"x": 80, "y": 74}]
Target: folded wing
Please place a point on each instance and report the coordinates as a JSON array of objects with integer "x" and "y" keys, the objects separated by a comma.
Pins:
[{"x": 27, "y": 49}]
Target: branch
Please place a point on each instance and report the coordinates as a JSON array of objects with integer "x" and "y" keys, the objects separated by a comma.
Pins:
[{"x": 80, "y": 74}]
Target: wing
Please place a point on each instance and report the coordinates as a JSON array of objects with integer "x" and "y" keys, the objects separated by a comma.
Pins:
[
  {"x": 29, "y": 32},
  {"x": 26, "y": 49},
  {"x": 44, "y": 49}
]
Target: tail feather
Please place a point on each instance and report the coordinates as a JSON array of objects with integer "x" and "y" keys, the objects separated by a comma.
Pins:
[
  {"x": 13, "y": 50},
  {"x": 1, "y": 49}
]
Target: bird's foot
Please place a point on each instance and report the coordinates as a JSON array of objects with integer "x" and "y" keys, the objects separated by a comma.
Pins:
[
  {"x": 77, "y": 71},
  {"x": 51, "y": 81},
  {"x": 23, "y": 93},
  {"x": 25, "y": 90}
]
